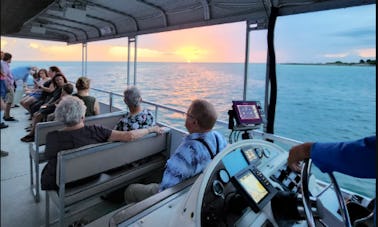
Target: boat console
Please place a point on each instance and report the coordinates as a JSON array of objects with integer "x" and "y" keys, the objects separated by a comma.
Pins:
[{"x": 247, "y": 184}]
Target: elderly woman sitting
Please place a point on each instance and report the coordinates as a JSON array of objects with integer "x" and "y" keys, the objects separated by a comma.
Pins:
[
  {"x": 137, "y": 117},
  {"x": 71, "y": 111}
]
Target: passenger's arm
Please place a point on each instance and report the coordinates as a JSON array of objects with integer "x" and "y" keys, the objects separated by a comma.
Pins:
[
  {"x": 96, "y": 108},
  {"x": 49, "y": 89},
  {"x": 134, "y": 134}
]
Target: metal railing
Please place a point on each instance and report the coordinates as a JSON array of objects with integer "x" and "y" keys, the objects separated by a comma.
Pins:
[{"x": 157, "y": 108}]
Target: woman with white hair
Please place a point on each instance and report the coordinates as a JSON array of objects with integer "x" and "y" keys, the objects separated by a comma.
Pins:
[
  {"x": 137, "y": 117},
  {"x": 71, "y": 111}
]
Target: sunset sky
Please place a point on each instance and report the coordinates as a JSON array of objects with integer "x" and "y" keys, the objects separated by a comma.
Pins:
[{"x": 348, "y": 36}]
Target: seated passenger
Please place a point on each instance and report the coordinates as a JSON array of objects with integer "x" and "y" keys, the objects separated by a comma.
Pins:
[
  {"x": 59, "y": 81},
  {"x": 137, "y": 117},
  {"x": 71, "y": 111},
  {"x": 33, "y": 95},
  {"x": 82, "y": 86},
  {"x": 48, "y": 89},
  {"x": 21, "y": 75},
  {"x": 191, "y": 157}
]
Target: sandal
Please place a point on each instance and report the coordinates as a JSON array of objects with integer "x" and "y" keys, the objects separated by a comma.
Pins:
[{"x": 27, "y": 138}]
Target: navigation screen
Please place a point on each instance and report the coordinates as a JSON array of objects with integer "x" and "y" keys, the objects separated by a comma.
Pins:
[
  {"x": 247, "y": 112},
  {"x": 253, "y": 186},
  {"x": 250, "y": 155}
]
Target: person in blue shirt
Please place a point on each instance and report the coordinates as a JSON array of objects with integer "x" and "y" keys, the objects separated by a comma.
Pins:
[
  {"x": 191, "y": 156},
  {"x": 21, "y": 73},
  {"x": 355, "y": 158}
]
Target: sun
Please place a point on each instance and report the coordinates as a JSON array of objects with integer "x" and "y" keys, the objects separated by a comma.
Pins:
[{"x": 191, "y": 53}]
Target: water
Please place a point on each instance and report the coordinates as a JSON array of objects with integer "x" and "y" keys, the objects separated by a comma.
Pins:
[{"x": 315, "y": 102}]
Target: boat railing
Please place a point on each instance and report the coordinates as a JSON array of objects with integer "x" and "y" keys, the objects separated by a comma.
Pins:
[
  {"x": 115, "y": 101},
  {"x": 157, "y": 107}
]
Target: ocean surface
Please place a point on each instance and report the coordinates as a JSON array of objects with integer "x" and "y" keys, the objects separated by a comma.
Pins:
[{"x": 314, "y": 102}]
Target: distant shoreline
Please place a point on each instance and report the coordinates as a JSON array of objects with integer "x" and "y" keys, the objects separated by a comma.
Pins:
[{"x": 328, "y": 64}]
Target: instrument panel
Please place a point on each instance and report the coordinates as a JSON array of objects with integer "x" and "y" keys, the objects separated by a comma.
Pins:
[{"x": 245, "y": 181}]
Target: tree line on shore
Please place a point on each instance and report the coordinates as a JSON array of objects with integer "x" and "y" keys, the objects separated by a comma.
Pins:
[{"x": 361, "y": 62}]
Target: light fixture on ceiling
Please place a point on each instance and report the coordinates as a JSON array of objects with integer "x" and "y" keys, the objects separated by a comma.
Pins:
[{"x": 38, "y": 29}]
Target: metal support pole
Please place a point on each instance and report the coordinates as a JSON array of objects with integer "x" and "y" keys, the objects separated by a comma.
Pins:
[
  {"x": 128, "y": 61},
  {"x": 84, "y": 59},
  {"x": 246, "y": 61},
  {"x": 135, "y": 59},
  {"x": 131, "y": 40},
  {"x": 110, "y": 101}
]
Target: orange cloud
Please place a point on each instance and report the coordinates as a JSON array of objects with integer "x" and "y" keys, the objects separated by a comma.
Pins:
[
  {"x": 191, "y": 53},
  {"x": 34, "y": 45},
  {"x": 367, "y": 53},
  {"x": 3, "y": 44}
]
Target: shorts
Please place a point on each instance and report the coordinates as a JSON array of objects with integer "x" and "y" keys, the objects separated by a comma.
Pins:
[
  {"x": 9, "y": 96},
  {"x": 3, "y": 89},
  {"x": 37, "y": 95}
]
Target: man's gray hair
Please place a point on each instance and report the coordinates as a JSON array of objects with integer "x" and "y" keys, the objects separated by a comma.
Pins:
[
  {"x": 132, "y": 96},
  {"x": 70, "y": 110}
]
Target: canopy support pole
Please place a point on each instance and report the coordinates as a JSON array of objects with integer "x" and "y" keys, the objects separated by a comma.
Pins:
[
  {"x": 84, "y": 59},
  {"x": 132, "y": 40},
  {"x": 246, "y": 59},
  {"x": 271, "y": 85}
]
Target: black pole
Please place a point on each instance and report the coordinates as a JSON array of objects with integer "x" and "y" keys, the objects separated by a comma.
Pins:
[{"x": 272, "y": 71}]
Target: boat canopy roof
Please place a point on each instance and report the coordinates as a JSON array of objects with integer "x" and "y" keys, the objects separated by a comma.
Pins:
[{"x": 82, "y": 21}]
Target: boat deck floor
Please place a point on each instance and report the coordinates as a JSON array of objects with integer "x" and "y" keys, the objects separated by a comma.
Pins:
[{"x": 18, "y": 207}]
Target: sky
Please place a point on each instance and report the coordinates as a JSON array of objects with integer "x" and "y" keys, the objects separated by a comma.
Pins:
[{"x": 346, "y": 35}]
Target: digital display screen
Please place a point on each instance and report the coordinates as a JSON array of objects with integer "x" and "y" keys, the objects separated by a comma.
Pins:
[
  {"x": 253, "y": 186},
  {"x": 247, "y": 112},
  {"x": 235, "y": 162},
  {"x": 250, "y": 155}
]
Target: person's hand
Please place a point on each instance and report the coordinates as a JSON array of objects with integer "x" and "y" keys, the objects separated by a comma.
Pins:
[
  {"x": 297, "y": 154},
  {"x": 156, "y": 129}
]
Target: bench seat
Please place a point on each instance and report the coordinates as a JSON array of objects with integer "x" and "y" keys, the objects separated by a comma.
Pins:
[
  {"x": 109, "y": 165},
  {"x": 37, "y": 148}
]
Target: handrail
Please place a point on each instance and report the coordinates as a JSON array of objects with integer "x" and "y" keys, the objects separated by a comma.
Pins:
[
  {"x": 156, "y": 105},
  {"x": 222, "y": 124}
]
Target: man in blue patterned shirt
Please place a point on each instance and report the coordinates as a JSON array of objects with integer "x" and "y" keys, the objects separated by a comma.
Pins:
[{"x": 192, "y": 155}]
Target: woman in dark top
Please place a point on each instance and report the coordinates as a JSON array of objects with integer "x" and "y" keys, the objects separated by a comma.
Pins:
[
  {"x": 82, "y": 86},
  {"x": 71, "y": 111}
]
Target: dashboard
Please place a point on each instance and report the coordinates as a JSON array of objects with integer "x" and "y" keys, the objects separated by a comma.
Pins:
[
  {"x": 244, "y": 182},
  {"x": 247, "y": 184}
]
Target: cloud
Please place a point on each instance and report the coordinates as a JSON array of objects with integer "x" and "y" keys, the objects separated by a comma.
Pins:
[
  {"x": 367, "y": 53},
  {"x": 336, "y": 55},
  {"x": 356, "y": 53},
  {"x": 119, "y": 52},
  {"x": 357, "y": 33},
  {"x": 34, "y": 45},
  {"x": 3, "y": 44}
]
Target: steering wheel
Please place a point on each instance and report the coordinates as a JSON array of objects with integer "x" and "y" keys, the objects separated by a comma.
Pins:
[{"x": 305, "y": 173}]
